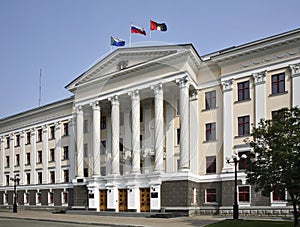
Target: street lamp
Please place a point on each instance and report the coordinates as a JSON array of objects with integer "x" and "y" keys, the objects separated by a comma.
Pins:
[
  {"x": 16, "y": 180},
  {"x": 235, "y": 160}
]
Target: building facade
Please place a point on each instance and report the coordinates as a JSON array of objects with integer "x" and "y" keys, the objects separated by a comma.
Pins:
[{"x": 150, "y": 129}]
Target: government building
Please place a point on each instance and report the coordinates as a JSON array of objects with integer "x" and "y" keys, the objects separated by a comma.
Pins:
[{"x": 150, "y": 129}]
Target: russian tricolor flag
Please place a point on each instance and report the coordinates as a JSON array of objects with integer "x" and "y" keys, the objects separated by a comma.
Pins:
[{"x": 137, "y": 30}]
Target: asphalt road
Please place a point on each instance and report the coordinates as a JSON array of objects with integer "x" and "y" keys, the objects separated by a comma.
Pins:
[{"x": 7, "y": 222}]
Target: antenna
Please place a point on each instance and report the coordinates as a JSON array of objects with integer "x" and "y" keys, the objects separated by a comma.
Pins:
[{"x": 40, "y": 87}]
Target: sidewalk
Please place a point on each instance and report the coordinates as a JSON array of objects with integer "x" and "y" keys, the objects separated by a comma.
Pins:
[{"x": 112, "y": 221}]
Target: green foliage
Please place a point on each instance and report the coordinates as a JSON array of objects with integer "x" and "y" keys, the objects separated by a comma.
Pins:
[{"x": 251, "y": 223}]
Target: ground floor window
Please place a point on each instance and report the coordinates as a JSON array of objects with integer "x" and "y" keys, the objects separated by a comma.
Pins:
[
  {"x": 279, "y": 194},
  {"x": 210, "y": 196},
  {"x": 50, "y": 198},
  {"x": 244, "y": 194},
  {"x": 26, "y": 198},
  {"x": 64, "y": 198},
  {"x": 38, "y": 198}
]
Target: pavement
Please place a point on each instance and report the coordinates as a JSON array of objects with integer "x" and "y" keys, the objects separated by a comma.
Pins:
[{"x": 111, "y": 220}]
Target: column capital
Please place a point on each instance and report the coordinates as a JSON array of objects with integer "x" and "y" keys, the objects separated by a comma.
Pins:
[
  {"x": 77, "y": 109},
  {"x": 158, "y": 89},
  {"x": 259, "y": 78},
  {"x": 183, "y": 82},
  {"x": 57, "y": 125},
  {"x": 194, "y": 96},
  {"x": 45, "y": 128},
  {"x": 114, "y": 100},
  {"x": 227, "y": 84},
  {"x": 135, "y": 95},
  {"x": 22, "y": 134},
  {"x": 295, "y": 70},
  {"x": 95, "y": 105}
]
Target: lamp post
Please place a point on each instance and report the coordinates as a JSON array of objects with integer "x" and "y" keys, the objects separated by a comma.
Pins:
[
  {"x": 16, "y": 180},
  {"x": 235, "y": 160}
]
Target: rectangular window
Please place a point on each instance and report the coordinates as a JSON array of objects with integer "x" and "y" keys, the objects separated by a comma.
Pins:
[
  {"x": 178, "y": 107},
  {"x": 7, "y": 162},
  {"x": 178, "y": 136},
  {"x": 141, "y": 141},
  {"x": 278, "y": 83},
  {"x": 28, "y": 158},
  {"x": 211, "y": 164},
  {"x": 28, "y": 178},
  {"x": 52, "y": 132},
  {"x": 86, "y": 172},
  {"x": 85, "y": 150},
  {"x": 243, "y": 91},
  {"x": 211, "y": 195},
  {"x": 121, "y": 118},
  {"x": 141, "y": 115},
  {"x": 242, "y": 165},
  {"x": 279, "y": 194},
  {"x": 243, "y": 125},
  {"x": 65, "y": 198},
  {"x": 244, "y": 194},
  {"x": 17, "y": 141},
  {"x": 40, "y": 177},
  {"x": 50, "y": 198},
  {"x": 66, "y": 175},
  {"x": 5, "y": 199},
  {"x": 26, "y": 198},
  {"x": 17, "y": 159},
  {"x": 210, "y": 100},
  {"x": 103, "y": 122},
  {"x": 40, "y": 135},
  {"x": 38, "y": 198},
  {"x": 52, "y": 177},
  {"x": 7, "y": 142},
  {"x": 28, "y": 138},
  {"x": 66, "y": 153},
  {"x": 121, "y": 146},
  {"x": 210, "y": 131},
  {"x": 39, "y": 157},
  {"x": 52, "y": 155},
  {"x": 86, "y": 126},
  {"x": 103, "y": 147},
  {"x": 66, "y": 129},
  {"x": 103, "y": 170},
  {"x": 7, "y": 179}
]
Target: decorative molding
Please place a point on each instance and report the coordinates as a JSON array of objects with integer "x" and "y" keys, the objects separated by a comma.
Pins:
[
  {"x": 95, "y": 105},
  {"x": 158, "y": 89},
  {"x": 183, "y": 82},
  {"x": 134, "y": 94},
  {"x": 122, "y": 64},
  {"x": 295, "y": 70},
  {"x": 194, "y": 96},
  {"x": 227, "y": 85},
  {"x": 114, "y": 100},
  {"x": 259, "y": 78}
]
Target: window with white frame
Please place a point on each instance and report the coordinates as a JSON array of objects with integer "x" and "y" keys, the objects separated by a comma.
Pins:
[
  {"x": 244, "y": 194},
  {"x": 210, "y": 195},
  {"x": 279, "y": 194}
]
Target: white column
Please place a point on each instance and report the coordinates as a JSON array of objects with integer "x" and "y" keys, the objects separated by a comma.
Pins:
[
  {"x": 227, "y": 123},
  {"x": 136, "y": 150},
  {"x": 148, "y": 137},
  {"x": 127, "y": 141},
  {"x": 295, "y": 77},
  {"x": 22, "y": 157},
  {"x": 72, "y": 126},
  {"x": 115, "y": 115},
  {"x": 184, "y": 123},
  {"x": 194, "y": 133},
  {"x": 159, "y": 127},
  {"x": 108, "y": 146},
  {"x": 45, "y": 154},
  {"x": 170, "y": 164},
  {"x": 33, "y": 156},
  {"x": 11, "y": 154},
  {"x": 79, "y": 141},
  {"x": 259, "y": 96},
  {"x": 2, "y": 161},
  {"x": 96, "y": 139},
  {"x": 58, "y": 155}
]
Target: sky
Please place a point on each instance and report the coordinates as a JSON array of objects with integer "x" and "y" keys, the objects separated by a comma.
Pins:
[{"x": 63, "y": 38}]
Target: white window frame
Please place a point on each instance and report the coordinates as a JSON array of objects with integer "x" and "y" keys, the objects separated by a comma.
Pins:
[
  {"x": 206, "y": 196},
  {"x": 277, "y": 203},
  {"x": 246, "y": 204}
]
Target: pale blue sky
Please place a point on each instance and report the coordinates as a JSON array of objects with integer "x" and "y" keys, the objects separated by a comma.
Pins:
[{"x": 65, "y": 37}]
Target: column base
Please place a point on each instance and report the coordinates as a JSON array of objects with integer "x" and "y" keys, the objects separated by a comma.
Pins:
[{"x": 184, "y": 170}]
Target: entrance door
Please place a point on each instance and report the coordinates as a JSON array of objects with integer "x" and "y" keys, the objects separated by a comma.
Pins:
[
  {"x": 122, "y": 199},
  {"x": 145, "y": 199},
  {"x": 103, "y": 199}
]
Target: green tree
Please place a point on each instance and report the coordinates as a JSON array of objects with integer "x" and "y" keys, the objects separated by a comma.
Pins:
[{"x": 274, "y": 161}]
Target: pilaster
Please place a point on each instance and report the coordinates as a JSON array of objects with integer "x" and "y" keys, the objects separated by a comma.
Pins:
[
  {"x": 96, "y": 139},
  {"x": 72, "y": 126},
  {"x": 11, "y": 154},
  {"x": 194, "y": 133},
  {"x": 2, "y": 161},
  {"x": 148, "y": 138},
  {"x": 45, "y": 154},
  {"x": 33, "y": 156},
  {"x": 295, "y": 84},
  {"x": 22, "y": 157},
  {"x": 259, "y": 83},
  {"x": 79, "y": 141},
  {"x": 58, "y": 155}
]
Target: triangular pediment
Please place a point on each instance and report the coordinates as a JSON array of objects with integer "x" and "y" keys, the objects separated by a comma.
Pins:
[{"x": 125, "y": 59}]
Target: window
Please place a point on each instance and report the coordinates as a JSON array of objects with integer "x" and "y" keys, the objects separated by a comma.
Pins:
[
  {"x": 38, "y": 198},
  {"x": 5, "y": 199},
  {"x": 66, "y": 153},
  {"x": 7, "y": 161},
  {"x": 211, "y": 195},
  {"x": 211, "y": 164},
  {"x": 279, "y": 194},
  {"x": 103, "y": 170},
  {"x": 210, "y": 100},
  {"x": 141, "y": 114},
  {"x": 40, "y": 178},
  {"x": 103, "y": 122},
  {"x": 121, "y": 118},
  {"x": 52, "y": 177},
  {"x": 66, "y": 129},
  {"x": 86, "y": 126},
  {"x": 52, "y": 132},
  {"x": 66, "y": 175},
  {"x": 50, "y": 198},
  {"x": 243, "y": 91},
  {"x": 278, "y": 83},
  {"x": 7, "y": 142},
  {"x": 243, "y": 126},
  {"x": 121, "y": 146},
  {"x": 28, "y": 137},
  {"x": 28, "y": 158},
  {"x": 194, "y": 196},
  {"x": 52, "y": 155},
  {"x": 27, "y": 178},
  {"x": 242, "y": 165},
  {"x": 40, "y": 135},
  {"x": 103, "y": 147},
  {"x": 85, "y": 172},
  {"x": 17, "y": 159},
  {"x": 210, "y": 131},
  {"x": 26, "y": 198},
  {"x": 17, "y": 141},
  {"x": 141, "y": 141},
  {"x": 65, "y": 197},
  {"x": 178, "y": 136},
  {"x": 39, "y": 157},
  {"x": 244, "y": 194},
  {"x": 7, "y": 179},
  {"x": 178, "y": 107},
  {"x": 85, "y": 150}
]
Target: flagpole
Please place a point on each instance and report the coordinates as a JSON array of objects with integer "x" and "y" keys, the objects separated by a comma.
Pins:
[{"x": 130, "y": 35}]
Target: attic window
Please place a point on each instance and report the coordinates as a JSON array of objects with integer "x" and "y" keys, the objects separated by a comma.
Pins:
[{"x": 122, "y": 64}]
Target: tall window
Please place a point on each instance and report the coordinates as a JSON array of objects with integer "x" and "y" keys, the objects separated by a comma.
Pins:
[
  {"x": 103, "y": 147},
  {"x": 66, "y": 175},
  {"x": 211, "y": 195},
  {"x": 50, "y": 198},
  {"x": 7, "y": 161},
  {"x": 211, "y": 164},
  {"x": 17, "y": 141},
  {"x": 28, "y": 158},
  {"x": 52, "y": 155},
  {"x": 210, "y": 131},
  {"x": 278, "y": 83},
  {"x": 103, "y": 122},
  {"x": 121, "y": 146},
  {"x": 85, "y": 150},
  {"x": 210, "y": 100},
  {"x": 52, "y": 132},
  {"x": 244, "y": 194},
  {"x": 7, "y": 142},
  {"x": 178, "y": 107},
  {"x": 17, "y": 159},
  {"x": 52, "y": 176},
  {"x": 242, "y": 165},
  {"x": 40, "y": 178},
  {"x": 7, "y": 179},
  {"x": 85, "y": 126},
  {"x": 66, "y": 153},
  {"x": 178, "y": 136},
  {"x": 279, "y": 194},
  {"x": 28, "y": 137},
  {"x": 28, "y": 178},
  {"x": 141, "y": 114},
  {"x": 243, "y": 91},
  {"x": 66, "y": 129},
  {"x": 39, "y": 157},
  {"x": 243, "y": 125},
  {"x": 40, "y": 135}
]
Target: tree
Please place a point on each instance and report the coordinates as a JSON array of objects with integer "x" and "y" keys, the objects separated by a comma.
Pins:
[{"x": 274, "y": 161}]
